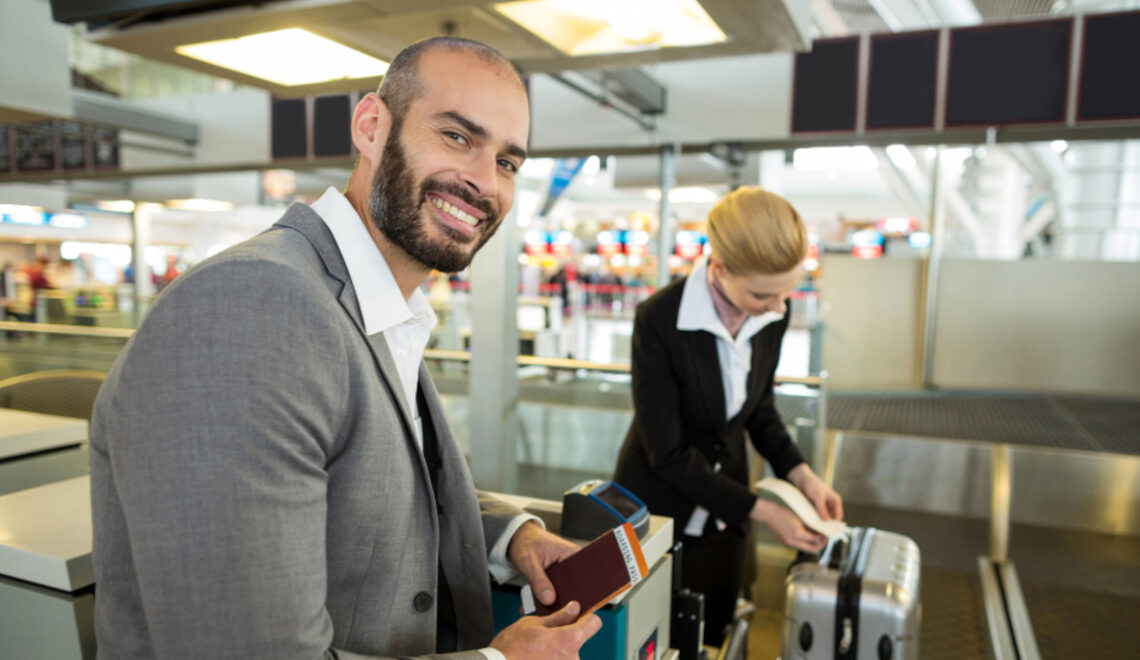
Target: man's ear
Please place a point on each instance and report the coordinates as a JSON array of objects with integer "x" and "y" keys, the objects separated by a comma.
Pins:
[{"x": 371, "y": 122}]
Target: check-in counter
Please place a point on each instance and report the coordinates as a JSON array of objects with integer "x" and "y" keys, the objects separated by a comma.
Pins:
[
  {"x": 47, "y": 581},
  {"x": 636, "y": 624},
  {"x": 47, "y": 601},
  {"x": 37, "y": 449}
]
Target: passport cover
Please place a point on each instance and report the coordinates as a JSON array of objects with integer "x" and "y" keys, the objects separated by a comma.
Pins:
[{"x": 610, "y": 565}]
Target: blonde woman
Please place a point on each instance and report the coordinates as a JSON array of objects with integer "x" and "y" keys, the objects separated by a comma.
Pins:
[{"x": 705, "y": 350}]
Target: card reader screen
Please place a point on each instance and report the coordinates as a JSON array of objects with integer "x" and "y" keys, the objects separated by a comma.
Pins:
[{"x": 621, "y": 503}]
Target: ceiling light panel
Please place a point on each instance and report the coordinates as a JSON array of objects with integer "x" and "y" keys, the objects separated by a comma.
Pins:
[
  {"x": 286, "y": 57},
  {"x": 592, "y": 27}
]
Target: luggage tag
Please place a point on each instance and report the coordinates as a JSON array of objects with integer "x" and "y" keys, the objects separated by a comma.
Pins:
[{"x": 799, "y": 504}]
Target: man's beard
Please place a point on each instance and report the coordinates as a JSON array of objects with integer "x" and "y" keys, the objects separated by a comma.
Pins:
[{"x": 396, "y": 206}]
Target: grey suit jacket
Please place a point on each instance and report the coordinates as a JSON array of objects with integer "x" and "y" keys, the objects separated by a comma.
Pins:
[{"x": 256, "y": 487}]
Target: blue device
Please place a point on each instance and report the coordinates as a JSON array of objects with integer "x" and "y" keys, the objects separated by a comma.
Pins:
[{"x": 593, "y": 507}]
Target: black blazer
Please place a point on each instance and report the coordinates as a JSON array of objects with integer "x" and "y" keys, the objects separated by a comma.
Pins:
[{"x": 679, "y": 431}]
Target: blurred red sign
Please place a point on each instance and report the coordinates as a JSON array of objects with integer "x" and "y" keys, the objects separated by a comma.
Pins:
[{"x": 689, "y": 251}]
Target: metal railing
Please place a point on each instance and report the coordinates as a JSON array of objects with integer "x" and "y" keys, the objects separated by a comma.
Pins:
[
  {"x": 69, "y": 330},
  {"x": 817, "y": 451}
]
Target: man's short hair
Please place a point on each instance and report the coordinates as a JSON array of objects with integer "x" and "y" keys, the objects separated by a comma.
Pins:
[{"x": 402, "y": 84}]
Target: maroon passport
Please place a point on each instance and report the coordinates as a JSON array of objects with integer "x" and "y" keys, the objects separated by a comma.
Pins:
[{"x": 607, "y": 567}]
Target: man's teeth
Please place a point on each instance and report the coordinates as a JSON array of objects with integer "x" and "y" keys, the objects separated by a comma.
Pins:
[{"x": 447, "y": 207}]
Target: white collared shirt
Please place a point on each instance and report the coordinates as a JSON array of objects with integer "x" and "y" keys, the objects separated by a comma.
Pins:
[
  {"x": 698, "y": 312},
  {"x": 406, "y": 326}
]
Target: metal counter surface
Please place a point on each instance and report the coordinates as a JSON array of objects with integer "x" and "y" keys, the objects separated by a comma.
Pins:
[
  {"x": 24, "y": 432},
  {"x": 45, "y": 535}
]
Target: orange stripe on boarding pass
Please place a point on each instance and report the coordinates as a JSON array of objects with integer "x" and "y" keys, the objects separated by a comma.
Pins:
[{"x": 635, "y": 546}]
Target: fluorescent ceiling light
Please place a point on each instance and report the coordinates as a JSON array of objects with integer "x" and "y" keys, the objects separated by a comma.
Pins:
[
  {"x": 834, "y": 158},
  {"x": 287, "y": 57},
  {"x": 198, "y": 205},
  {"x": 692, "y": 195},
  {"x": 116, "y": 205},
  {"x": 588, "y": 27},
  {"x": 67, "y": 221},
  {"x": 23, "y": 215}
]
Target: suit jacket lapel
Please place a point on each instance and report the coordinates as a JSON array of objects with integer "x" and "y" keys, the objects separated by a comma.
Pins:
[
  {"x": 306, "y": 221},
  {"x": 706, "y": 364}
]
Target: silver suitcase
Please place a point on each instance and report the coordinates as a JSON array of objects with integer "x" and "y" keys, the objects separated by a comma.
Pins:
[{"x": 856, "y": 599}]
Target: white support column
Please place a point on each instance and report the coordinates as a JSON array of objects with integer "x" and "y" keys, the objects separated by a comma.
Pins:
[
  {"x": 667, "y": 180},
  {"x": 933, "y": 267},
  {"x": 494, "y": 385},
  {"x": 1005, "y": 240},
  {"x": 140, "y": 240},
  {"x": 1095, "y": 211},
  {"x": 1123, "y": 243},
  {"x": 772, "y": 163}
]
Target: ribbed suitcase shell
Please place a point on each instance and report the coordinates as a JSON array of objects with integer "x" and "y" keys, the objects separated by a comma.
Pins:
[{"x": 882, "y": 568}]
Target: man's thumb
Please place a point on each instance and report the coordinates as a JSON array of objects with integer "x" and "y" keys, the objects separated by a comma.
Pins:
[{"x": 564, "y": 616}]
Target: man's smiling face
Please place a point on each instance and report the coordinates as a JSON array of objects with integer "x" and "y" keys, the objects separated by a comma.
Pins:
[{"x": 447, "y": 175}]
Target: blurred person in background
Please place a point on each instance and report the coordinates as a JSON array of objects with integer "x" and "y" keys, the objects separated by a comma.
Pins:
[
  {"x": 170, "y": 273},
  {"x": 704, "y": 356},
  {"x": 38, "y": 274}
]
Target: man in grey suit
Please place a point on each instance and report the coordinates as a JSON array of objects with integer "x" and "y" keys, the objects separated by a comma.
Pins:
[{"x": 272, "y": 474}]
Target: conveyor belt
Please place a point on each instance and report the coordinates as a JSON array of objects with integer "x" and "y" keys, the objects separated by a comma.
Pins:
[
  {"x": 1074, "y": 623},
  {"x": 1066, "y": 422},
  {"x": 1082, "y": 591},
  {"x": 953, "y": 625}
]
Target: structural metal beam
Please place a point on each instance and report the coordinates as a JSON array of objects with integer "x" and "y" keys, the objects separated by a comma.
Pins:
[
  {"x": 106, "y": 110},
  {"x": 964, "y": 136}
]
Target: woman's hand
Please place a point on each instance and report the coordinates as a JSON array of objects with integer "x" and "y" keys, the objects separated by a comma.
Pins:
[
  {"x": 826, "y": 501},
  {"x": 787, "y": 526}
]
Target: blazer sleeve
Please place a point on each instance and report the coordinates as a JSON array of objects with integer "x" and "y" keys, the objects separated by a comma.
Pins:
[
  {"x": 220, "y": 424},
  {"x": 497, "y": 516},
  {"x": 657, "y": 406},
  {"x": 765, "y": 427}
]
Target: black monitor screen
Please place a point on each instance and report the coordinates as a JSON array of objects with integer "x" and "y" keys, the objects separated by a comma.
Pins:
[
  {"x": 1109, "y": 86},
  {"x": 823, "y": 88},
  {"x": 614, "y": 497},
  {"x": 900, "y": 88},
  {"x": 5, "y": 149},
  {"x": 1008, "y": 73},
  {"x": 288, "y": 128},
  {"x": 105, "y": 144},
  {"x": 35, "y": 147},
  {"x": 78, "y": 11},
  {"x": 73, "y": 145},
  {"x": 332, "y": 134}
]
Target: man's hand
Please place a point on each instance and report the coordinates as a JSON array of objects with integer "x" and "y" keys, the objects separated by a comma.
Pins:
[
  {"x": 555, "y": 636},
  {"x": 826, "y": 501},
  {"x": 531, "y": 550},
  {"x": 787, "y": 526}
]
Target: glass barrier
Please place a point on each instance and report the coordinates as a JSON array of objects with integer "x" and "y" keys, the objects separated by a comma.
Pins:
[
  {"x": 572, "y": 414},
  {"x": 594, "y": 322}
]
